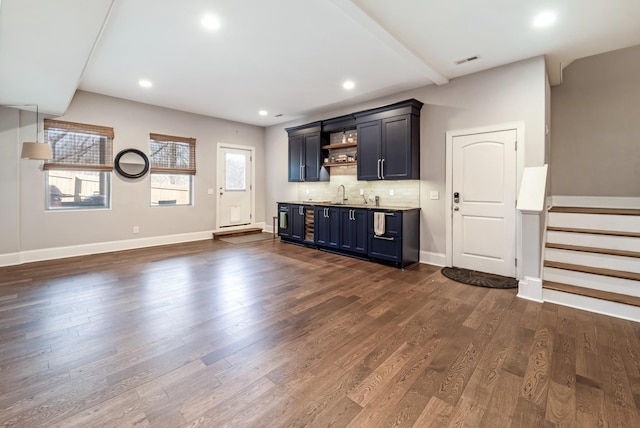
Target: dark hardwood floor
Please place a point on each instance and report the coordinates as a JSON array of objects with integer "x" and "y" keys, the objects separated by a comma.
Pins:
[{"x": 211, "y": 334}]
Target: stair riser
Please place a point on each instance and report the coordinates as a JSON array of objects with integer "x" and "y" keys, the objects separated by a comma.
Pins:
[
  {"x": 613, "y": 309},
  {"x": 598, "y": 241},
  {"x": 595, "y": 221},
  {"x": 606, "y": 261},
  {"x": 596, "y": 282}
]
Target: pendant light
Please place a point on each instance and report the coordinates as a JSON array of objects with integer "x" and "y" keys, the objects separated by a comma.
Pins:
[{"x": 37, "y": 151}]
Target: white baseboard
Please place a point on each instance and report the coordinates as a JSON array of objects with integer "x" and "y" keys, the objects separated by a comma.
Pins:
[
  {"x": 605, "y": 307},
  {"x": 596, "y": 201},
  {"x": 9, "y": 259},
  {"x": 437, "y": 259},
  {"x": 100, "y": 247},
  {"x": 530, "y": 288}
]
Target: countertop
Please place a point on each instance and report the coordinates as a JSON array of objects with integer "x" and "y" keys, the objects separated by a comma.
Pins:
[{"x": 369, "y": 206}]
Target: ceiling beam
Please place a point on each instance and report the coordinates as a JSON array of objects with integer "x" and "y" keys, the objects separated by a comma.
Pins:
[{"x": 391, "y": 40}]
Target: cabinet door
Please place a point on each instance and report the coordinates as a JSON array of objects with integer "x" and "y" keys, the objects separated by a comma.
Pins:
[
  {"x": 284, "y": 219},
  {"x": 396, "y": 148},
  {"x": 353, "y": 230},
  {"x": 369, "y": 147},
  {"x": 321, "y": 225},
  {"x": 311, "y": 153},
  {"x": 296, "y": 215},
  {"x": 327, "y": 227},
  {"x": 359, "y": 233},
  {"x": 296, "y": 149}
]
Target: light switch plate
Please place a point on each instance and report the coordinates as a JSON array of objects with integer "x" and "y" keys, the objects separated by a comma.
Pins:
[
  {"x": 391, "y": 192},
  {"x": 209, "y": 191},
  {"x": 434, "y": 195}
]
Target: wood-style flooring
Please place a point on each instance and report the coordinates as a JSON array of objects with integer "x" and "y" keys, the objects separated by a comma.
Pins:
[{"x": 267, "y": 334}]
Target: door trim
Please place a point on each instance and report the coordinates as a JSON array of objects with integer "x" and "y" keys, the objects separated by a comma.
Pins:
[
  {"x": 251, "y": 149},
  {"x": 519, "y": 128}
]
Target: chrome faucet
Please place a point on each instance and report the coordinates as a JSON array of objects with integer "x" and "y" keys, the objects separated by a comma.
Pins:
[{"x": 344, "y": 196}]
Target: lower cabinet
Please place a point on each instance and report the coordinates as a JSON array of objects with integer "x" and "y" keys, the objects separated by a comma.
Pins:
[
  {"x": 296, "y": 222},
  {"x": 353, "y": 230},
  {"x": 400, "y": 242},
  {"x": 327, "y": 227}
]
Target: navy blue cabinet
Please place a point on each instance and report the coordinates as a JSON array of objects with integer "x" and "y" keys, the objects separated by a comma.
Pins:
[
  {"x": 284, "y": 221},
  {"x": 353, "y": 230},
  {"x": 400, "y": 242},
  {"x": 327, "y": 227},
  {"x": 389, "y": 142},
  {"x": 298, "y": 224},
  {"x": 305, "y": 152}
]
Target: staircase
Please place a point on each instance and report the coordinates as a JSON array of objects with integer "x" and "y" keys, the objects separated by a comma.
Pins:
[{"x": 592, "y": 259}]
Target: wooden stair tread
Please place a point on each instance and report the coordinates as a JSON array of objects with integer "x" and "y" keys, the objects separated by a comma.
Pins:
[
  {"x": 591, "y": 210},
  {"x": 594, "y": 270},
  {"x": 593, "y": 231},
  {"x": 590, "y": 292},
  {"x": 607, "y": 251},
  {"x": 236, "y": 232}
]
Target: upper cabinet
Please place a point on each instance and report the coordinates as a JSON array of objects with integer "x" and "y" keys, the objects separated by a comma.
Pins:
[
  {"x": 389, "y": 142},
  {"x": 383, "y": 142},
  {"x": 305, "y": 151}
]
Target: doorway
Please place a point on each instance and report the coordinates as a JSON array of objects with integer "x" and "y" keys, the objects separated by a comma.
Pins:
[
  {"x": 235, "y": 184},
  {"x": 482, "y": 180}
]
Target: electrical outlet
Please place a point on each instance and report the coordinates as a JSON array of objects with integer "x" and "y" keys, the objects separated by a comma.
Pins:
[
  {"x": 434, "y": 195},
  {"x": 361, "y": 192},
  {"x": 391, "y": 192},
  {"x": 306, "y": 191},
  {"x": 136, "y": 229}
]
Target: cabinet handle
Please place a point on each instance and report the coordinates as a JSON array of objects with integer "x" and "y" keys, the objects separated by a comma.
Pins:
[
  {"x": 300, "y": 210},
  {"x": 301, "y": 172},
  {"x": 384, "y": 238},
  {"x": 382, "y": 169},
  {"x": 326, "y": 212},
  {"x": 379, "y": 176}
]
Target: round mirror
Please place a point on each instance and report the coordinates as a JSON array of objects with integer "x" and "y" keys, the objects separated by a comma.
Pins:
[{"x": 131, "y": 163}]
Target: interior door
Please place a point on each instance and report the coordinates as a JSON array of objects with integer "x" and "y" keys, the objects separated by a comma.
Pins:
[
  {"x": 484, "y": 202},
  {"x": 234, "y": 186}
]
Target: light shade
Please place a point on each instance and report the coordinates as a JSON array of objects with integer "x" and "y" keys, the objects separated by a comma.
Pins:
[{"x": 40, "y": 151}]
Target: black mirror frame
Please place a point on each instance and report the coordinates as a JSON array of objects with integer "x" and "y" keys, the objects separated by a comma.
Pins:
[{"x": 116, "y": 163}]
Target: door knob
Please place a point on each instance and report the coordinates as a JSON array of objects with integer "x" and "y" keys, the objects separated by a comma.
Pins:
[{"x": 456, "y": 208}]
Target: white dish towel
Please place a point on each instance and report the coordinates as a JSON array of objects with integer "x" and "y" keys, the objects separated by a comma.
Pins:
[{"x": 378, "y": 223}]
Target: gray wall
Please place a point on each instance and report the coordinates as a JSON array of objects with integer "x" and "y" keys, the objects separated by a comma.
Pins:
[
  {"x": 9, "y": 167},
  {"x": 595, "y": 119},
  {"x": 507, "y": 94},
  {"x": 132, "y": 123}
]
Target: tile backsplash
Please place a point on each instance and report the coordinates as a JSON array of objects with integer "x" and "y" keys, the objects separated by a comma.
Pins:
[{"x": 406, "y": 193}]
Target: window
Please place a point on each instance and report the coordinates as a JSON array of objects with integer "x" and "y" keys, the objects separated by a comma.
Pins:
[
  {"x": 173, "y": 165},
  {"x": 79, "y": 175}
]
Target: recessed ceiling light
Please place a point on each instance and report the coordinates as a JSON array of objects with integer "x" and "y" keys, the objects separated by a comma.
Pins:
[
  {"x": 210, "y": 22},
  {"x": 544, "y": 19},
  {"x": 145, "y": 83},
  {"x": 263, "y": 112},
  {"x": 348, "y": 85}
]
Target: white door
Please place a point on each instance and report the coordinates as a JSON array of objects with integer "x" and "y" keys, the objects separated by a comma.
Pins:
[
  {"x": 484, "y": 202},
  {"x": 235, "y": 186}
]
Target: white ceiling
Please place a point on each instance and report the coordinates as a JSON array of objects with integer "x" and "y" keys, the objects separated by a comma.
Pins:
[{"x": 288, "y": 57}]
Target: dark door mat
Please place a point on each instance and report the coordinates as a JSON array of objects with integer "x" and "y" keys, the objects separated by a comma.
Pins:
[{"x": 480, "y": 279}]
